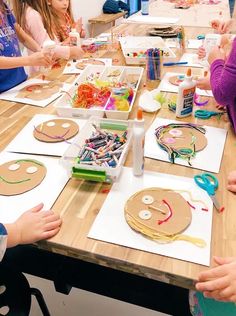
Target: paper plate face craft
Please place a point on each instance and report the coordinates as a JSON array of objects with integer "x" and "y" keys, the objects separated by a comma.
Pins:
[
  {"x": 82, "y": 64},
  {"x": 40, "y": 91},
  {"x": 181, "y": 140},
  {"x": 20, "y": 176},
  {"x": 161, "y": 215},
  {"x": 56, "y": 130}
]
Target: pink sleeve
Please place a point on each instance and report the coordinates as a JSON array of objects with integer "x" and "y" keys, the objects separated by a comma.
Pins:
[{"x": 35, "y": 28}]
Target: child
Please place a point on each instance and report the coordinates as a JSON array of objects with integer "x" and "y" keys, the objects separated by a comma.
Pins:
[
  {"x": 216, "y": 287},
  {"x": 63, "y": 19},
  {"x": 33, "y": 225},
  {"x": 36, "y": 19},
  {"x": 11, "y": 62}
]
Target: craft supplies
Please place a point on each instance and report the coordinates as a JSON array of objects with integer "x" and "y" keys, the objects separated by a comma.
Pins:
[
  {"x": 186, "y": 90},
  {"x": 210, "y": 41},
  {"x": 175, "y": 63},
  {"x": 138, "y": 144},
  {"x": 196, "y": 101},
  {"x": 181, "y": 140},
  {"x": 99, "y": 151},
  {"x": 205, "y": 114},
  {"x": 49, "y": 47},
  {"x": 145, "y": 7},
  {"x": 74, "y": 37},
  {"x": 153, "y": 64},
  {"x": 148, "y": 103},
  {"x": 181, "y": 39},
  {"x": 209, "y": 183}
]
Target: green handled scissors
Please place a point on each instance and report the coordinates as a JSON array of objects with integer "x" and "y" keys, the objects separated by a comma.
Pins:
[
  {"x": 209, "y": 183},
  {"x": 205, "y": 114}
]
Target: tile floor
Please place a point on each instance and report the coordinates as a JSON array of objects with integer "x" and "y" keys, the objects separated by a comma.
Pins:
[{"x": 82, "y": 303}]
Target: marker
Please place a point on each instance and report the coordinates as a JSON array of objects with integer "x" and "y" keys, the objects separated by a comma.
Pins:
[{"x": 175, "y": 63}]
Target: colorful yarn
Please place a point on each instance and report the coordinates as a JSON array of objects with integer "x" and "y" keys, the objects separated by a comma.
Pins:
[
  {"x": 173, "y": 153},
  {"x": 169, "y": 215},
  {"x": 196, "y": 102}
]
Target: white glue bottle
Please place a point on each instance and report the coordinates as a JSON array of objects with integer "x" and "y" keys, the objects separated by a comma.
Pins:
[
  {"x": 48, "y": 50},
  {"x": 138, "y": 144},
  {"x": 74, "y": 38},
  {"x": 185, "y": 98}
]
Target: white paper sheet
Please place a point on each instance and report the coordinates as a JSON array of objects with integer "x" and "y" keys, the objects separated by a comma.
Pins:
[
  {"x": 147, "y": 19},
  {"x": 165, "y": 85},
  {"x": 25, "y": 142},
  {"x": 194, "y": 43},
  {"x": 11, "y": 94},
  {"x": 47, "y": 191},
  {"x": 208, "y": 159},
  {"x": 193, "y": 61},
  {"x": 71, "y": 68},
  {"x": 110, "y": 224}
]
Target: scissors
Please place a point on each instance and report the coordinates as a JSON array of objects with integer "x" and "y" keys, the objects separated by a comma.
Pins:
[
  {"x": 205, "y": 114},
  {"x": 209, "y": 183}
]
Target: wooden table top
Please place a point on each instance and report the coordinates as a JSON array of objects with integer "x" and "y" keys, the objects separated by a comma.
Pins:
[
  {"x": 80, "y": 201},
  {"x": 197, "y": 15}
]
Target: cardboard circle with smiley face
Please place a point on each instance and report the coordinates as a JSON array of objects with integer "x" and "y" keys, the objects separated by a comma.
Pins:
[
  {"x": 56, "y": 130},
  {"x": 158, "y": 211},
  {"x": 20, "y": 176},
  {"x": 183, "y": 137},
  {"x": 39, "y": 91},
  {"x": 82, "y": 64}
]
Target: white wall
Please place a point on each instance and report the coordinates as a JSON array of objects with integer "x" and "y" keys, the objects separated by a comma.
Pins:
[{"x": 88, "y": 9}]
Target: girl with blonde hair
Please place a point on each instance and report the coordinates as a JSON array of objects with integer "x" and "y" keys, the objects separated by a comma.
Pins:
[{"x": 36, "y": 19}]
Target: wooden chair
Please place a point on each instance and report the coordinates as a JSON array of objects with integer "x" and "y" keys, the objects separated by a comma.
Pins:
[{"x": 16, "y": 293}]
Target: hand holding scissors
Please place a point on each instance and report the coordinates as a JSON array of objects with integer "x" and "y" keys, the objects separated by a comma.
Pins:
[
  {"x": 205, "y": 114},
  {"x": 209, "y": 183}
]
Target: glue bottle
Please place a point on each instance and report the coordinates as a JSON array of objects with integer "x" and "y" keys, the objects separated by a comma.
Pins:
[
  {"x": 145, "y": 7},
  {"x": 74, "y": 38},
  {"x": 48, "y": 50},
  {"x": 185, "y": 98},
  {"x": 138, "y": 144}
]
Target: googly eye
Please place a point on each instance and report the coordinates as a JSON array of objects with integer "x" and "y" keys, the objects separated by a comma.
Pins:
[
  {"x": 175, "y": 132},
  {"x": 169, "y": 140},
  {"x": 145, "y": 214},
  {"x": 32, "y": 169},
  {"x": 66, "y": 125},
  {"x": 14, "y": 167},
  {"x": 147, "y": 199},
  {"x": 50, "y": 124}
]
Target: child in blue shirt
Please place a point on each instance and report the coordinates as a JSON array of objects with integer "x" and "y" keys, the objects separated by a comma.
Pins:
[{"x": 11, "y": 62}]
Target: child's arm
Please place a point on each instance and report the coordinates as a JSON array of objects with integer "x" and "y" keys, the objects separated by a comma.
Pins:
[
  {"x": 232, "y": 181},
  {"x": 79, "y": 28},
  {"x": 220, "y": 282},
  {"x": 36, "y": 59},
  {"x": 223, "y": 75},
  {"x": 33, "y": 225},
  {"x": 26, "y": 40}
]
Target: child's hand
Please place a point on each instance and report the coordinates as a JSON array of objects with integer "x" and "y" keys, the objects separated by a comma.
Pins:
[
  {"x": 76, "y": 52},
  {"x": 232, "y": 181},
  {"x": 216, "y": 53},
  {"x": 33, "y": 225},
  {"x": 201, "y": 52},
  {"x": 219, "y": 283},
  {"x": 204, "y": 83},
  {"x": 222, "y": 26},
  {"x": 40, "y": 59},
  {"x": 79, "y": 28}
]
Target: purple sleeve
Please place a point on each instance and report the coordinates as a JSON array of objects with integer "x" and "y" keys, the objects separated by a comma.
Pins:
[{"x": 223, "y": 78}]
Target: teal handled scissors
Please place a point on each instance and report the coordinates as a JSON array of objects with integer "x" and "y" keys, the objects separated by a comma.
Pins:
[
  {"x": 205, "y": 114},
  {"x": 209, "y": 183}
]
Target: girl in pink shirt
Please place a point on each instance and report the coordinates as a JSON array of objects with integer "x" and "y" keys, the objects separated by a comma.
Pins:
[{"x": 36, "y": 19}]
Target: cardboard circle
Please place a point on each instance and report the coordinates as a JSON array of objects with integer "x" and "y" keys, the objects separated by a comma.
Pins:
[
  {"x": 177, "y": 223},
  {"x": 82, "y": 64},
  {"x": 185, "y": 140},
  {"x": 39, "y": 91},
  {"x": 56, "y": 130},
  {"x": 18, "y": 181}
]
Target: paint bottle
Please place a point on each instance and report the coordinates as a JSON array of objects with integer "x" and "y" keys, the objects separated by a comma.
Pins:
[
  {"x": 138, "y": 144},
  {"x": 74, "y": 38},
  {"x": 145, "y": 7},
  {"x": 48, "y": 50},
  {"x": 185, "y": 98}
]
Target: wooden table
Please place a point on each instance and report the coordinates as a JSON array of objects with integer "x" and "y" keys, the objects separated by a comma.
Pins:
[
  {"x": 198, "y": 15},
  {"x": 80, "y": 201}
]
